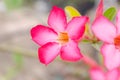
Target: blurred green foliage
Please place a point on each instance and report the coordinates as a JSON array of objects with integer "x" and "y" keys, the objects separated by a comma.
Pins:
[
  {"x": 13, "y": 4},
  {"x": 14, "y": 70},
  {"x": 18, "y": 59}
]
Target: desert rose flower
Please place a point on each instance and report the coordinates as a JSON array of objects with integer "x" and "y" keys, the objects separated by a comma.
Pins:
[
  {"x": 99, "y": 74},
  {"x": 59, "y": 38},
  {"x": 110, "y": 35},
  {"x": 72, "y": 12}
]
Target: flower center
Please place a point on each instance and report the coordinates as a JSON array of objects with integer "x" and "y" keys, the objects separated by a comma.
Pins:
[
  {"x": 63, "y": 37},
  {"x": 117, "y": 42}
]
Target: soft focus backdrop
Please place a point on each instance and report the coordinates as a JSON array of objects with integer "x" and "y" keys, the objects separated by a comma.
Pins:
[{"x": 18, "y": 53}]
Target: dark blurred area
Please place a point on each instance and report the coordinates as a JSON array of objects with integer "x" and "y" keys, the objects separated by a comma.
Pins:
[
  {"x": 118, "y": 1},
  {"x": 82, "y": 5}
]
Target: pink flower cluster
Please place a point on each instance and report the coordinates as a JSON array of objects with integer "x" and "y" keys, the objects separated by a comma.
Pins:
[{"x": 61, "y": 37}]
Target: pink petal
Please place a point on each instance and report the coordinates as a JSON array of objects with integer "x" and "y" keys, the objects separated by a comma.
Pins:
[
  {"x": 42, "y": 35},
  {"x": 71, "y": 52},
  {"x": 118, "y": 22},
  {"x": 97, "y": 74},
  {"x": 99, "y": 10},
  {"x": 104, "y": 29},
  {"x": 48, "y": 52},
  {"x": 111, "y": 56},
  {"x": 76, "y": 27},
  {"x": 113, "y": 75},
  {"x": 57, "y": 19}
]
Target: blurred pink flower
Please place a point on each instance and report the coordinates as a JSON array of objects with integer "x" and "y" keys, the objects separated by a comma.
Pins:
[
  {"x": 59, "y": 37},
  {"x": 99, "y": 74},
  {"x": 110, "y": 35}
]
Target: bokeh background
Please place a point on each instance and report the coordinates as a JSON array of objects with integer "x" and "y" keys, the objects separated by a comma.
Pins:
[{"x": 18, "y": 53}]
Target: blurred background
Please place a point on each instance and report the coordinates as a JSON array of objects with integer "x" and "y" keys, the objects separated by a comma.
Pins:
[{"x": 18, "y": 53}]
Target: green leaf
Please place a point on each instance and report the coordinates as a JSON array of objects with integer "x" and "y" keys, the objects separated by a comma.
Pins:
[
  {"x": 86, "y": 41},
  {"x": 13, "y": 4},
  {"x": 110, "y": 13}
]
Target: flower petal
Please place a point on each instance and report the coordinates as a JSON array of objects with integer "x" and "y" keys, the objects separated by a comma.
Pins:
[
  {"x": 70, "y": 52},
  {"x": 113, "y": 75},
  {"x": 41, "y": 34},
  {"x": 118, "y": 22},
  {"x": 57, "y": 19},
  {"x": 76, "y": 27},
  {"x": 111, "y": 56},
  {"x": 48, "y": 52},
  {"x": 104, "y": 29},
  {"x": 99, "y": 10},
  {"x": 97, "y": 74}
]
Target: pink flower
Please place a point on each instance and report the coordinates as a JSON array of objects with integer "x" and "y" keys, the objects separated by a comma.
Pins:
[
  {"x": 60, "y": 37},
  {"x": 99, "y": 74},
  {"x": 110, "y": 35}
]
